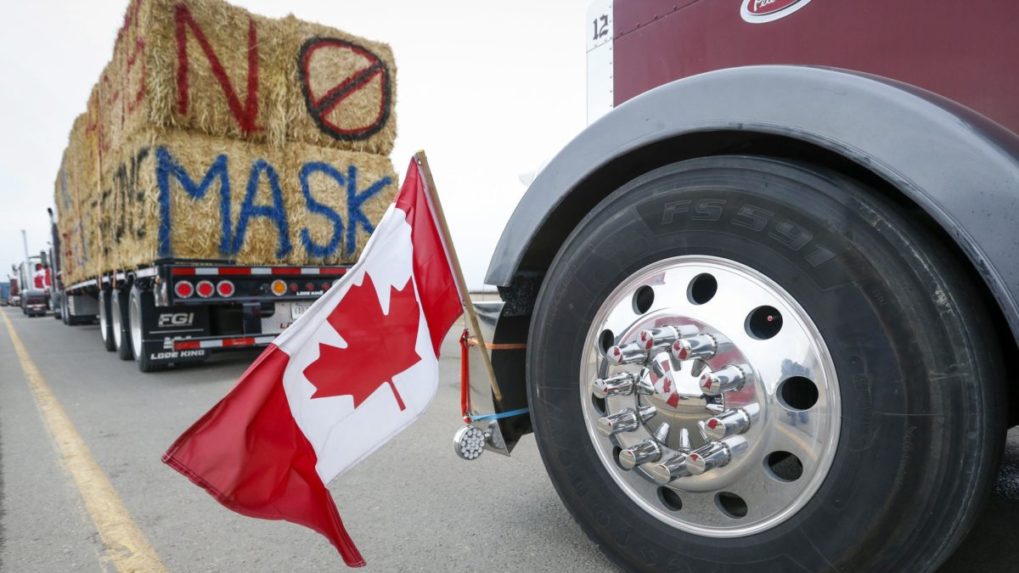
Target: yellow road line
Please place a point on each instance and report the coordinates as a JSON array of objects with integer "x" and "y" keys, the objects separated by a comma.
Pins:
[{"x": 126, "y": 546}]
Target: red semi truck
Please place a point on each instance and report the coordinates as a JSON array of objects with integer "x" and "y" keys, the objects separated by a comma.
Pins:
[{"x": 763, "y": 310}]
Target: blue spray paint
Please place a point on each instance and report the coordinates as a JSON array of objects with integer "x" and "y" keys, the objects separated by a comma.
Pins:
[
  {"x": 276, "y": 213},
  {"x": 231, "y": 240},
  {"x": 167, "y": 166},
  {"x": 314, "y": 249},
  {"x": 354, "y": 202}
]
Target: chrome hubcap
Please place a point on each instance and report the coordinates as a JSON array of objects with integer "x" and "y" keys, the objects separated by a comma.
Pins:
[
  {"x": 710, "y": 396},
  {"x": 103, "y": 319},
  {"x": 135, "y": 324},
  {"x": 115, "y": 321}
]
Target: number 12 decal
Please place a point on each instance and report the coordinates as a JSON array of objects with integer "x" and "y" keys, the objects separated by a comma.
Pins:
[{"x": 601, "y": 26}]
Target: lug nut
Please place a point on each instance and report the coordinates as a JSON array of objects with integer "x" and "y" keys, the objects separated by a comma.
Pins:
[
  {"x": 725, "y": 380},
  {"x": 701, "y": 346},
  {"x": 684, "y": 440},
  {"x": 632, "y": 353},
  {"x": 644, "y": 384},
  {"x": 625, "y": 421},
  {"x": 714, "y": 408},
  {"x": 665, "y": 335},
  {"x": 646, "y": 413},
  {"x": 668, "y": 470},
  {"x": 661, "y": 364},
  {"x": 728, "y": 423},
  {"x": 646, "y": 451},
  {"x": 708, "y": 457},
  {"x": 662, "y": 433},
  {"x": 618, "y": 385}
]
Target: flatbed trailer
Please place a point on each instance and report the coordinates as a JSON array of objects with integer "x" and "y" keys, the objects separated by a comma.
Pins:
[{"x": 176, "y": 312}]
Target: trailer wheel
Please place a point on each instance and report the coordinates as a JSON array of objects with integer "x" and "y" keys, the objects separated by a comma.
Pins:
[
  {"x": 120, "y": 324},
  {"x": 741, "y": 364},
  {"x": 105, "y": 324},
  {"x": 139, "y": 301}
]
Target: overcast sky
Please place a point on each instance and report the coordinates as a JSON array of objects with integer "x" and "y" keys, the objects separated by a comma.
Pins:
[{"x": 490, "y": 90}]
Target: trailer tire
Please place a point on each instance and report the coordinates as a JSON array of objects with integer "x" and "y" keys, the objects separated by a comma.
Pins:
[
  {"x": 918, "y": 378},
  {"x": 105, "y": 325},
  {"x": 120, "y": 324},
  {"x": 140, "y": 299}
]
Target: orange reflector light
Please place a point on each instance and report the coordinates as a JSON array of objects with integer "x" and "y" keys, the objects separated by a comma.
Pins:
[{"x": 278, "y": 287}]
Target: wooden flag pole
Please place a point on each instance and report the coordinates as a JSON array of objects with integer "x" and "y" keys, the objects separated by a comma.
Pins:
[{"x": 454, "y": 262}]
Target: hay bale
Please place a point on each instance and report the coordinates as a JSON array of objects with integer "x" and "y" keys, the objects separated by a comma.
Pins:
[
  {"x": 201, "y": 96},
  {"x": 220, "y": 80},
  {"x": 207, "y": 66},
  {"x": 79, "y": 178},
  {"x": 182, "y": 195},
  {"x": 337, "y": 198},
  {"x": 346, "y": 89}
]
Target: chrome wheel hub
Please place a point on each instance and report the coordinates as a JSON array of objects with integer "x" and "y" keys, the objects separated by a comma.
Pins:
[
  {"x": 103, "y": 319},
  {"x": 115, "y": 321},
  {"x": 135, "y": 323},
  {"x": 710, "y": 396}
]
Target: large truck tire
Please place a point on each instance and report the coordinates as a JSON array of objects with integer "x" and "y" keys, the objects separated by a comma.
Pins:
[
  {"x": 138, "y": 307},
  {"x": 119, "y": 323},
  {"x": 828, "y": 374},
  {"x": 105, "y": 324}
]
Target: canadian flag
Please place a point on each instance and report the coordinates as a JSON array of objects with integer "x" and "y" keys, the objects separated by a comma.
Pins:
[{"x": 359, "y": 366}]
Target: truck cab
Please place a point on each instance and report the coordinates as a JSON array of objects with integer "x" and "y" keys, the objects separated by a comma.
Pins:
[{"x": 769, "y": 296}]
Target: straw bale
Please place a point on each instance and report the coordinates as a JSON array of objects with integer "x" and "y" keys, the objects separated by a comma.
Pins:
[
  {"x": 242, "y": 76},
  {"x": 337, "y": 198},
  {"x": 345, "y": 89},
  {"x": 78, "y": 180},
  {"x": 222, "y": 83},
  {"x": 154, "y": 204},
  {"x": 203, "y": 92}
]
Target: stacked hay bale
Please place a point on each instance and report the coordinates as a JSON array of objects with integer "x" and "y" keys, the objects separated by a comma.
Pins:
[{"x": 216, "y": 134}]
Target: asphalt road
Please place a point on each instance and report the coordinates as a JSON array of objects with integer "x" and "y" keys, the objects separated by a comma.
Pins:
[{"x": 412, "y": 506}]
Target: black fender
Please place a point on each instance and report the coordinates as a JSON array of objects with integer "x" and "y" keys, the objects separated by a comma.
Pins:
[{"x": 961, "y": 168}]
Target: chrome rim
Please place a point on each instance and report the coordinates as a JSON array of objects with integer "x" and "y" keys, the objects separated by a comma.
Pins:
[
  {"x": 134, "y": 323},
  {"x": 115, "y": 320},
  {"x": 710, "y": 396},
  {"x": 103, "y": 319}
]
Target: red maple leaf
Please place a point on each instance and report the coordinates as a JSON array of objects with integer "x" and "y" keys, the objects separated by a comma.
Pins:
[{"x": 379, "y": 345}]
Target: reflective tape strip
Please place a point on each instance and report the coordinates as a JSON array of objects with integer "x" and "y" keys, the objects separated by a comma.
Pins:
[
  {"x": 232, "y": 342},
  {"x": 260, "y": 271},
  {"x": 238, "y": 342}
]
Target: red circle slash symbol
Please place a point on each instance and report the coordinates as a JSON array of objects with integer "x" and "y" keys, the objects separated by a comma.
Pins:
[{"x": 322, "y": 105}]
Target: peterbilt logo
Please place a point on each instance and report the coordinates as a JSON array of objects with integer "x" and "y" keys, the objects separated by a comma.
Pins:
[{"x": 761, "y": 11}]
